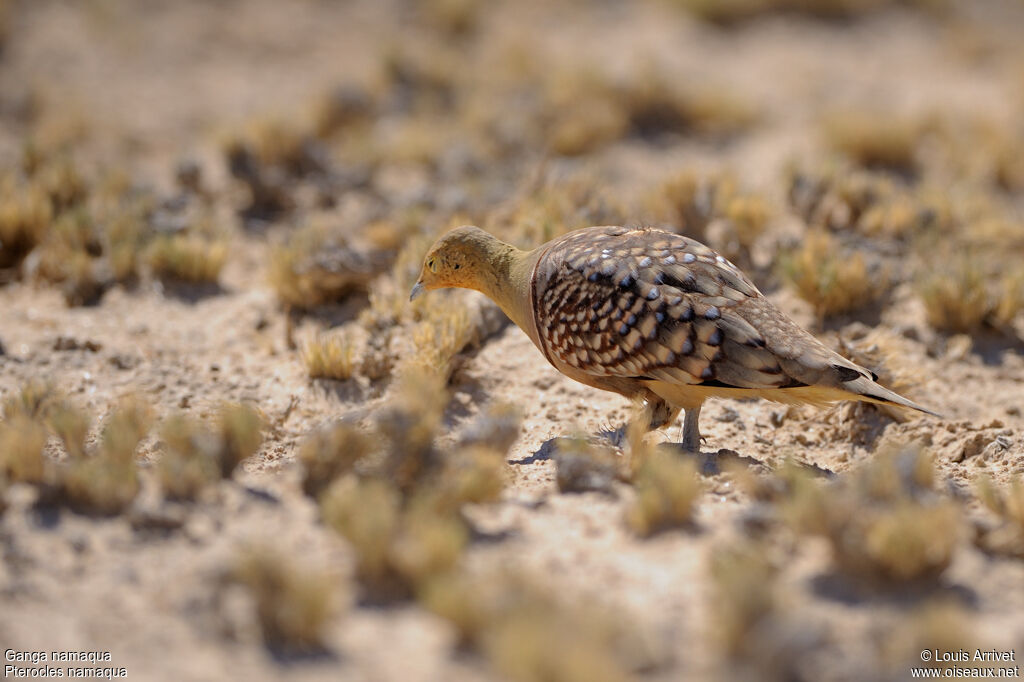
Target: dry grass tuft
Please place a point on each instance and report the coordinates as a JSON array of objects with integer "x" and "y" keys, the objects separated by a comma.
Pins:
[
  {"x": 582, "y": 465},
  {"x": 554, "y": 207},
  {"x": 33, "y": 401},
  {"x": 832, "y": 282},
  {"x": 397, "y": 549},
  {"x": 196, "y": 454},
  {"x": 315, "y": 267},
  {"x": 745, "y": 596},
  {"x": 667, "y": 489},
  {"x": 1007, "y": 503},
  {"x": 409, "y": 425},
  {"x": 733, "y": 12},
  {"x": 23, "y": 434},
  {"x": 330, "y": 453},
  {"x": 62, "y": 183},
  {"x": 938, "y": 625},
  {"x": 837, "y": 197},
  {"x": 187, "y": 258},
  {"x": 445, "y": 331},
  {"x": 452, "y": 18},
  {"x": 712, "y": 209},
  {"x": 293, "y": 605},
  {"x": 82, "y": 238},
  {"x": 885, "y": 522},
  {"x": 25, "y": 217},
  {"x": 526, "y": 634},
  {"x": 71, "y": 425},
  {"x": 400, "y": 505},
  {"x": 748, "y": 217},
  {"x": 753, "y": 630},
  {"x": 333, "y": 355},
  {"x": 473, "y": 474},
  {"x": 240, "y": 428},
  {"x": 875, "y": 140},
  {"x": 586, "y": 110},
  {"x": 963, "y": 297},
  {"x": 497, "y": 428},
  {"x": 367, "y": 514},
  {"x": 686, "y": 201},
  {"x": 341, "y": 108},
  {"x": 22, "y": 440},
  {"x": 106, "y": 481}
]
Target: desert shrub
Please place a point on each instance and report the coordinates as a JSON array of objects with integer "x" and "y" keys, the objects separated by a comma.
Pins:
[
  {"x": 1007, "y": 504},
  {"x": 396, "y": 549},
  {"x": 940, "y": 624},
  {"x": 331, "y": 452},
  {"x": 446, "y": 331},
  {"x": 292, "y": 604},
  {"x": 964, "y": 296},
  {"x": 728, "y": 13},
  {"x": 331, "y": 356},
  {"x": 63, "y": 183},
  {"x": 885, "y": 522},
  {"x": 22, "y": 440},
  {"x": 689, "y": 201},
  {"x": 667, "y": 489},
  {"x": 837, "y": 197},
  {"x": 187, "y": 258},
  {"x": 399, "y": 503},
  {"x": 197, "y": 454},
  {"x": 586, "y": 109},
  {"x": 743, "y": 578},
  {"x": 106, "y": 480},
  {"x": 712, "y": 209},
  {"x": 452, "y": 18},
  {"x": 554, "y": 207},
  {"x": 583, "y": 465},
  {"x": 25, "y": 215},
  {"x": 315, "y": 266},
  {"x": 875, "y": 141},
  {"x": 71, "y": 425},
  {"x": 832, "y": 282},
  {"x": 340, "y": 108},
  {"x": 525, "y": 633}
]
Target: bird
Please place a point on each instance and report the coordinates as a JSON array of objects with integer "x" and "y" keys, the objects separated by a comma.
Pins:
[{"x": 651, "y": 315}]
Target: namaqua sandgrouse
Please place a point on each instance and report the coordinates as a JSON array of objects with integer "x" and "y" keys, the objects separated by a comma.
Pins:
[{"x": 650, "y": 315}]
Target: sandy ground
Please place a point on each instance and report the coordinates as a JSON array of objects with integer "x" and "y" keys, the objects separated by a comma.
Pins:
[{"x": 158, "y": 80}]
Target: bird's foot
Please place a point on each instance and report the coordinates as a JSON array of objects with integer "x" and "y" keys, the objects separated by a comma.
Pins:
[
  {"x": 615, "y": 437},
  {"x": 708, "y": 462}
]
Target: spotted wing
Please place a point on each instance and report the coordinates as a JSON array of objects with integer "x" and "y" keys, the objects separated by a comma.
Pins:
[{"x": 643, "y": 303}]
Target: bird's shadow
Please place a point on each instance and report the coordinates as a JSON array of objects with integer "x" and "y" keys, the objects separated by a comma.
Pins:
[
  {"x": 545, "y": 453},
  {"x": 842, "y": 588},
  {"x": 709, "y": 462}
]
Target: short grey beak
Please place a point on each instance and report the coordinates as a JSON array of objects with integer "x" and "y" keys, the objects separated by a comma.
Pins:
[{"x": 416, "y": 291}]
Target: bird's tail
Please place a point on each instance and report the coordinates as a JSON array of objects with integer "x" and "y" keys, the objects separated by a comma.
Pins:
[{"x": 870, "y": 391}]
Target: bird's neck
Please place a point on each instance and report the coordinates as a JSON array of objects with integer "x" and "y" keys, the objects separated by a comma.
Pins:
[{"x": 505, "y": 278}]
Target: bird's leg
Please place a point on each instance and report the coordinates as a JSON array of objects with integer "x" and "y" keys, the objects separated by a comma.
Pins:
[
  {"x": 657, "y": 411},
  {"x": 691, "y": 430},
  {"x": 662, "y": 413},
  {"x": 692, "y": 441}
]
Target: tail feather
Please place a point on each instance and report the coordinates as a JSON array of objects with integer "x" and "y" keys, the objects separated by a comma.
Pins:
[{"x": 870, "y": 391}]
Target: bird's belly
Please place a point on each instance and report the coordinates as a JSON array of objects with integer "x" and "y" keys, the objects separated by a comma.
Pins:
[
  {"x": 689, "y": 396},
  {"x": 630, "y": 388}
]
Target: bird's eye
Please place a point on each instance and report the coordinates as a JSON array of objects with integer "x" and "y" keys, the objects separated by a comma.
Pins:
[
  {"x": 457, "y": 266},
  {"x": 430, "y": 264}
]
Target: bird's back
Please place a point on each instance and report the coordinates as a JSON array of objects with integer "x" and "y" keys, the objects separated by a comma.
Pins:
[{"x": 658, "y": 307}]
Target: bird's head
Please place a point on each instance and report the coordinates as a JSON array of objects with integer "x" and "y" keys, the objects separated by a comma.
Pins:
[{"x": 455, "y": 260}]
